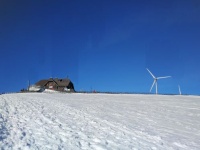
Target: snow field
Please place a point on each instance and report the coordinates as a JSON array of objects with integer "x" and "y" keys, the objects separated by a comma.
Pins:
[{"x": 99, "y": 121}]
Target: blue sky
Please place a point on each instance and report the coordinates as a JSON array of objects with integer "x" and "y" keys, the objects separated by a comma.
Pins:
[{"x": 101, "y": 45}]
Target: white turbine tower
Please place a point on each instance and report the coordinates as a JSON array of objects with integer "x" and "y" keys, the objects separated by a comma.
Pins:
[
  {"x": 156, "y": 80},
  {"x": 179, "y": 88}
]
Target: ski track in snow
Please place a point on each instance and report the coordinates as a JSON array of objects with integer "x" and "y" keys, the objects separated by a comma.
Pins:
[{"x": 99, "y": 121}]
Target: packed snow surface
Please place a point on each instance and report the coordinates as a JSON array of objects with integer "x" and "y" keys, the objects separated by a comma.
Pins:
[{"x": 99, "y": 121}]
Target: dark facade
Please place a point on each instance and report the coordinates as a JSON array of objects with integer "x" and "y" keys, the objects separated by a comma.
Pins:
[{"x": 56, "y": 84}]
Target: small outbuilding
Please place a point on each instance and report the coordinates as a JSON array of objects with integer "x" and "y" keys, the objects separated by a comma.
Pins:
[{"x": 64, "y": 85}]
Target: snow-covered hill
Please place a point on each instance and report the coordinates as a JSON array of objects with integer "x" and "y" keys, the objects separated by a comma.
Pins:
[{"x": 99, "y": 121}]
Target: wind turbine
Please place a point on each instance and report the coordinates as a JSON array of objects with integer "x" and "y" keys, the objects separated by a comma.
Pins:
[{"x": 156, "y": 80}]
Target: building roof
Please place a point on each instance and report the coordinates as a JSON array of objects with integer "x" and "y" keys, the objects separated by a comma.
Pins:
[
  {"x": 62, "y": 82},
  {"x": 59, "y": 82}
]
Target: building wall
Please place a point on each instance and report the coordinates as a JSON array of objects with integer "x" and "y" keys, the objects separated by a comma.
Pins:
[
  {"x": 51, "y": 85},
  {"x": 61, "y": 88}
]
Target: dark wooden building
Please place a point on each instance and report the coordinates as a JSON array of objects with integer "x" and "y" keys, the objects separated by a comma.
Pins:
[{"x": 56, "y": 84}]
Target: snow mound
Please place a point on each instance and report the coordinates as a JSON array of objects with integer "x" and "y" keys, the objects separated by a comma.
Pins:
[{"x": 99, "y": 121}]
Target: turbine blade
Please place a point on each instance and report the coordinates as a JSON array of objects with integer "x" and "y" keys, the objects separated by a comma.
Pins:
[
  {"x": 151, "y": 73},
  {"x": 163, "y": 77},
  {"x": 153, "y": 85}
]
